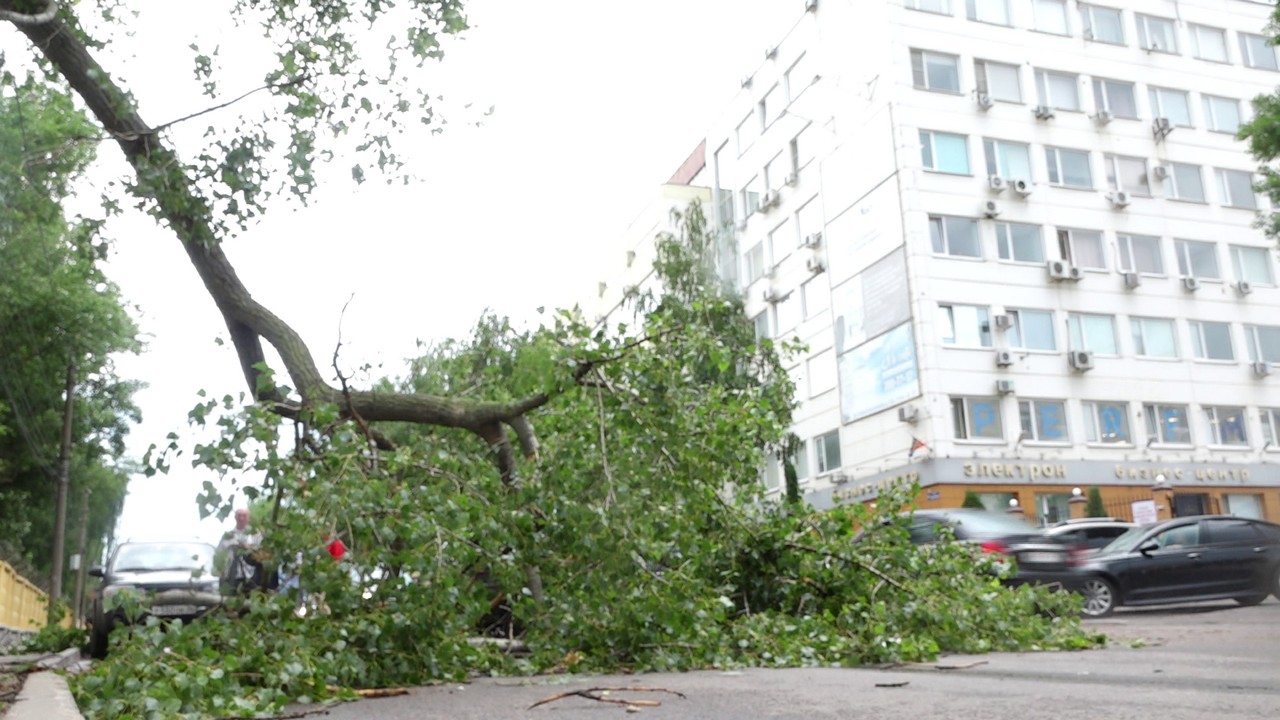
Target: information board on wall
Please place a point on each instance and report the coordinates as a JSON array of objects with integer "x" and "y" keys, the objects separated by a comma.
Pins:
[
  {"x": 872, "y": 302},
  {"x": 878, "y": 374},
  {"x": 864, "y": 232}
]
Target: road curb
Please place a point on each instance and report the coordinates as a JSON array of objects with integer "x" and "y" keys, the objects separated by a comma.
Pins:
[{"x": 44, "y": 696}]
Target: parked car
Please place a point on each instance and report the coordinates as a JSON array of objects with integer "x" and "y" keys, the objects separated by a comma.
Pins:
[
  {"x": 1039, "y": 558},
  {"x": 1208, "y": 557},
  {"x": 166, "y": 579},
  {"x": 1089, "y": 535}
]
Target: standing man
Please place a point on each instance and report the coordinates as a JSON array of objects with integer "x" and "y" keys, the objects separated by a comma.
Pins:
[{"x": 241, "y": 571}]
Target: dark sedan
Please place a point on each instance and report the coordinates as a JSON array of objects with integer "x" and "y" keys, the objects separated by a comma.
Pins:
[
  {"x": 1039, "y": 559},
  {"x": 1210, "y": 557}
]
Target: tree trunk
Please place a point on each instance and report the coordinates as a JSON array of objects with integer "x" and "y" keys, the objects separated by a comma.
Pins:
[
  {"x": 82, "y": 538},
  {"x": 64, "y": 475}
]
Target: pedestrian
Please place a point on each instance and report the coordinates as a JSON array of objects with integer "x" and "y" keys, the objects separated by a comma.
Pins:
[{"x": 242, "y": 568}]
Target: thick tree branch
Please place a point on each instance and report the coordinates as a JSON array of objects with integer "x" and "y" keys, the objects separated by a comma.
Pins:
[{"x": 21, "y": 19}]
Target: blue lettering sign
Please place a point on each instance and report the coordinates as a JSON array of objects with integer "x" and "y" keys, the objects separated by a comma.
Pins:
[
  {"x": 1053, "y": 424},
  {"x": 1113, "y": 425},
  {"x": 984, "y": 418}
]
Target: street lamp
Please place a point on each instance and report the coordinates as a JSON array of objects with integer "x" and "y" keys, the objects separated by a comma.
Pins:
[
  {"x": 1161, "y": 484},
  {"x": 1077, "y": 496}
]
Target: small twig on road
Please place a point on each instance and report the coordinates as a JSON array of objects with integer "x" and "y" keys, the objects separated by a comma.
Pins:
[
  {"x": 589, "y": 693},
  {"x": 932, "y": 666},
  {"x": 894, "y": 685}
]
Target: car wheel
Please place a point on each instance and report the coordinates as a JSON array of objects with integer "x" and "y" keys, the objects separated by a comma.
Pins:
[
  {"x": 99, "y": 636},
  {"x": 1248, "y": 600},
  {"x": 1099, "y": 597}
]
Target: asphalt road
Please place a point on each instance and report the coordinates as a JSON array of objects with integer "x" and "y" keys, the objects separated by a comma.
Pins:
[{"x": 1212, "y": 660}]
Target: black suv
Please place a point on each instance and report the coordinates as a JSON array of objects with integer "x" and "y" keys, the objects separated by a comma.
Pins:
[{"x": 161, "y": 579}]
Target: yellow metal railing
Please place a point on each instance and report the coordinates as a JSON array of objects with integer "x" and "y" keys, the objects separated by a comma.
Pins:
[{"x": 23, "y": 606}]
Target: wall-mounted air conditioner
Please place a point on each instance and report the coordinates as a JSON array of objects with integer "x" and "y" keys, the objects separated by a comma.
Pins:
[
  {"x": 1190, "y": 284},
  {"x": 1103, "y": 117},
  {"x": 1002, "y": 321},
  {"x": 991, "y": 209},
  {"x": 1005, "y": 387},
  {"x": 1043, "y": 112},
  {"x": 1118, "y": 198},
  {"x": 997, "y": 184},
  {"x": 908, "y": 413},
  {"x": 1022, "y": 187},
  {"x": 1262, "y": 369},
  {"x": 1004, "y": 358},
  {"x": 815, "y": 266},
  {"x": 792, "y": 179},
  {"x": 1159, "y": 172},
  {"x": 1132, "y": 280},
  {"x": 1244, "y": 287},
  {"x": 984, "y": 101},
  {"x": 1058, "y": 269},
  {"x": 812, "y": 240},
  {"x": 1080, "y": 360},
  {"x": 1160, "y": 128}
]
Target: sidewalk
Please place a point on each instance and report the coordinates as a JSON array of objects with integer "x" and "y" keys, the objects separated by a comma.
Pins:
[{"x": 44, "y": 694}]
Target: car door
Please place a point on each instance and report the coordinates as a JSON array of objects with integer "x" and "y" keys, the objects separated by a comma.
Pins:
[
  {"x": 1172, "y": 569},
  {"x": 1237, "y": 555}
]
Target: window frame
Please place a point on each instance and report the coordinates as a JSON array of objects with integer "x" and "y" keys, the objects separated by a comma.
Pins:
[
  {"x": 995, "y": 152},
  {"x": 915, "y": 5},
  {"x": 1211, "y": 119},
  {"x": 1212, "y": 416},
  {"x": 1248, "y": 51},
  {"x": 1152, "y": 412},
  {"x": 1238, "y": 265},
  {"x": 1127, "y": 258},
  {"x": 943, "y": 223},
  {"x": 1173, "y": 188},
  {"x": 982, "y": 81},
  {"x": 1009, "y": 241},
  {"x": 1270, "y": 418},
  {"x": 1036, "y": 6},
  {"x": 1227, "y": 198},
  {"x": 1035, "y": 413},
  {"x": 971, "y": 13},
  {"x": 1053, "y": 161},
  {"x": 1197, "y": 48},
  {"x": 962, "y": 421},
  {"x": 1016, "y": 335},
  {"x": 1080, "y": 339},
  {"x": 929, "y": 152},
  {"x": 1112, "y": 163},
  {"x": 947, "y": 319},
  {"x": 1067, "y": 246},
  {"x": 753, "y": 256},
  {"x": 1255, "y": 346},
  {"x": 924, "y": 55},
  {"x": 1156, "y": 99},
  {"x": 1138, "y": 332},
  {"x": 1186, "y": 266},
  {"x": 1045, "y": 96},
  {"x": 822, "y": 445},
  {"x": 1102, "y": 98},
  {"x": 1200, "y": 346},
  {"x": 1142, "y": 21},
  {"x": 1094, "y": 422},
  {"x": 1088, "y": 22}
]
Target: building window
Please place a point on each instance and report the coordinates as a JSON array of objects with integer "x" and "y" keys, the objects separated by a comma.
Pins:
[
  {"x": 788, "y": 313},
  {"x": 1211, "y": 340},
  {"x": 799, "y": 460},
  {"x": 1020, "y": 242},
  {"x": 1209, "y": 43},
  {"x": 750, "y": 197},
  {"x": 954, "y": 236},
  {"x": 809, "y": 219},
  {"x": 1128, "y": 174},
  {"x": 772, "y": 473},
  {"x": 1102, "y": 24},
  {"x": 1009, "y": 160},
  {"x": 799, "y": 76},
  {"x": 1167, "y": 423},
  {"x": 1157, "y": 34},
  {"x": 761, "y": 323},
  {"x": 1226, "y": 426},
  {"x": 827, "y": 448},
  {"x": 988, "y": 11},
  {"x": 1082, "y": 248},
  {"x": 1058, "y": 90},
  {"x": 1031, "y": 330},
  {"x": 802, "y": 152},
  {"x": 965, "y": 325},
  {"x": 1172, "y": 105},
  {"x": 1117, "y": 98},
  {"x": 998, "y": 80},
  {"x": 945, "y": 152},
  {"x": 935, "y": 71},
  {"x": 755, "y": 264},
  {"x": 1235, "y": 187},
  {"x": 725, "y": 207},
  {"x": 822, "y": 373},
  {"x": 1140, "y": 254},
  {"x": 747, "y": 132},
  {"x": 776, "y": 172},
  {"x": 1197, "y": 259},
  {"x": 772, "y": 104},
  {"x": 1256, "y": 51},
  {"x": 1184, "y": 182},
  {"x": 1154, "y": 338},
  {"x": 942, "y": 7},
  {"x": 976, "y": 418},
  {"x": 1264, "y": 343},
  {"x": 1244, "y": 505},
  {"x": 1222, "y": 114},
  {"x": 1051, "y": 16},
  {"x": 1043, "y": 420},
  {"x": 1106, "y": 422},
  {"x": 782, "y": 239},
  {"x": 1270, "y": 427},
  {"x": 817, "y": 296},
  {"x": 1252, "y": 265},
  {"x": 1069, "y": 168},
  {"x": 1095, "y": 333}
]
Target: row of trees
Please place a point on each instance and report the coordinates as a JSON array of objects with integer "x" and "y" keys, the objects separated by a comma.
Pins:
[{"x": 61, "y": 324}]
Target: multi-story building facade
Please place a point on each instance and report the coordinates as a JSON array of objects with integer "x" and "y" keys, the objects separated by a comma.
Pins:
[{"x": 1018, "y": 238}]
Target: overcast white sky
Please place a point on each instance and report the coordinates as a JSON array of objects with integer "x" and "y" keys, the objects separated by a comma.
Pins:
[{"x": 596, "y": 104}]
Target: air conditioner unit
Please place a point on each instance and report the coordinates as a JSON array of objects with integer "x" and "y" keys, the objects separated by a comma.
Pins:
[
  {"x": 1262, "y": 369},
  {"x": 997, "y": 184},
  {"x": 1043, "y": 112},
  {"x": 1159, "y": 172},
  {"x": 1022, "y": 187},
  {"x": 1080, "y": 360},
  {"x": 1103, "y": 117},
  {"x": 1004, "y": 358},
  {"x": 991, "y": 208},
  {"x": 984, "y": 101},
  {"x": 745, "y": 81},
  {"x": 1003, "y": 322},
  {"x": 815, "y": 266},
  {"x": 1075, "y": 274},
  {"x": 908, "y": 413},
  {"x": 1160, "y": 128},
  {"x": 1118, "y": 198},
  {"x": 812, "y": 240},
  {"x": 810, "y": 5},
  {"x": 839, "y": 479},
  {"x": 1132, "y": 280},
  {"x": 1244, "y": 287},
  {"x": 1004, "y": 387},
  {"x": 792, "y": 179},
  {"x": 767, "y": 201},
  {"x": 770, "y": 53},
  {"x": 1059, "y": 269},
  {"x": 1190, "y": 284},
  {"x": 773, "y": 297}
]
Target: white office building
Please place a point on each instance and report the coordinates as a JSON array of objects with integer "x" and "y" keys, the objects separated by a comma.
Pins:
[{"x": 1017, "y": 236}]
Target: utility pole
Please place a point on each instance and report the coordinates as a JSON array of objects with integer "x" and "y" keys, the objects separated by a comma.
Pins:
[
  {"x": 64, "y": 476},
  {"x": 77, "y": 609}
]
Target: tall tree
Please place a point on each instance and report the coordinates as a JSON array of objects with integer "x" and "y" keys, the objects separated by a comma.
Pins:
[
  {"x": 1263, "y": 136},
  {"x": 56, "y": 309}
]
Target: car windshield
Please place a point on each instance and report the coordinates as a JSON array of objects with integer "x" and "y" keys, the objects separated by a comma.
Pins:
[
  {"x": 1125, "y": 543},
  {"x": 143, "y": 557}
]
